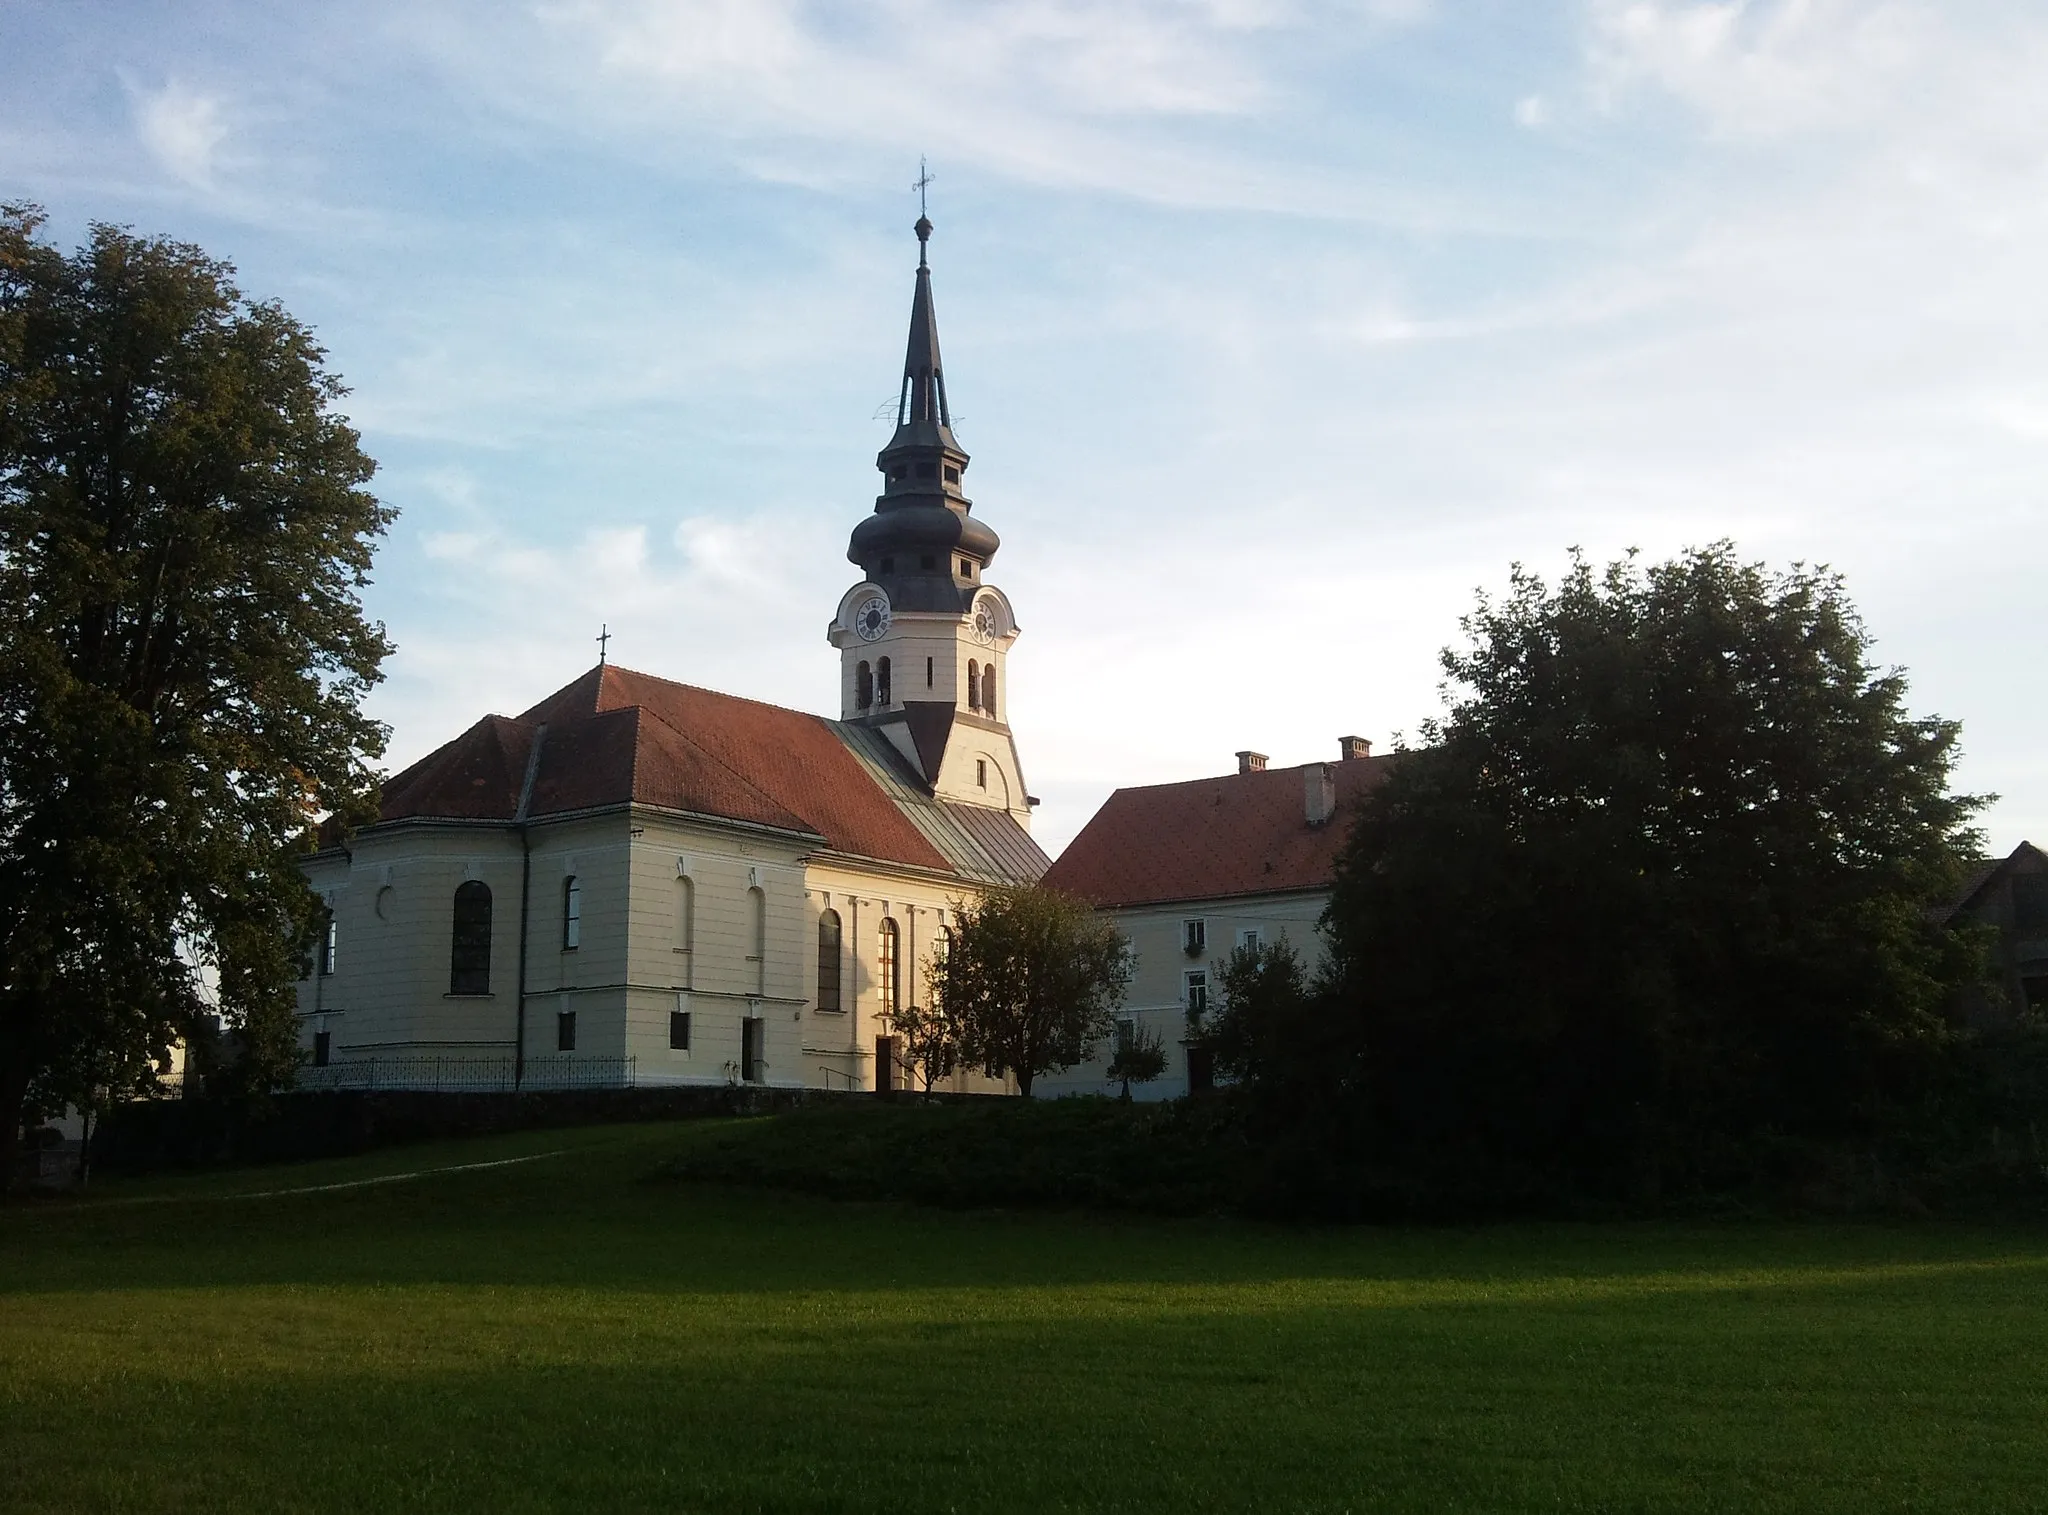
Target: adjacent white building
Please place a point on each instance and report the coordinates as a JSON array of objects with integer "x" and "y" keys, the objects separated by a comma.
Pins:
[{"x": 1192, "y": 871}]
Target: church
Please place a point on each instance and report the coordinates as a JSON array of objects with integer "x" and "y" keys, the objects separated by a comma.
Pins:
[{"x": 640, "y": 882}]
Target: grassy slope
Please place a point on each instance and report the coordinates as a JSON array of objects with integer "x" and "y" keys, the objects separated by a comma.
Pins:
[{"x": 562, "y": 1333}]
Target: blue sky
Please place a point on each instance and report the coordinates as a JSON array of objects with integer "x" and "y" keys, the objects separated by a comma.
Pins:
[{"x": 1275, "y": 327}]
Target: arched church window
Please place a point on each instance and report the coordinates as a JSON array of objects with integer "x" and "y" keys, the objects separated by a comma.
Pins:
[
  {"x": 973, "y": 685},
  {"x": 757, "y": 904},
  {"x": 881, "y": 681},
  {"x": 469, "y": 948},
  {"x": 863, "y": 685},
  {"x": 886, "y": 968},
  {"x": 828, "y": 961},
  {"x": 988, "y": 690}
]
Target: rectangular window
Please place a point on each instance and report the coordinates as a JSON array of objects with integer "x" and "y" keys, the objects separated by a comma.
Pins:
[
  {"x": 1194, "y": 937},
  {"x": 565, "y": 1031},
  {"x": 981, "y": 772},
  {"x": 1126, "y": 1033},
  {"x": 1197, "y": 995},
  {"x": 329, "y": 940},
  {"x": 1248, "y": 939},
  {"x": 323, "y": 1042},
  {"x": 952, "y": 475},
  {"x": 929, "y": 670},
  {"x": 679, "y": 1031},
  {"x": 572, "y": 913}
]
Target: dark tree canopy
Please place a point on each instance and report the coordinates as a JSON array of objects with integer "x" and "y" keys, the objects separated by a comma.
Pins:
[
  {"x": 1032, "y": 980},
  {"x": 184, "y": 535},
  {"x": 1663, "y": 882}
]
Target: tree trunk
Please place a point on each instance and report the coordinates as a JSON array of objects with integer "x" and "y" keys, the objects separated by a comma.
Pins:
[
  {"x": 84, "y": 1147},
  {"x": 13, "y": 1096}
]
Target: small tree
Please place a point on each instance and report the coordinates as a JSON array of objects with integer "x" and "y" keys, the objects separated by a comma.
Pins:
[
  {"x": 931, "y": 1041},
  {"x": 1265, "y": 1014},
  {"x": 1032, "y": 981},
  {"x": 1139, "y": 1058}
]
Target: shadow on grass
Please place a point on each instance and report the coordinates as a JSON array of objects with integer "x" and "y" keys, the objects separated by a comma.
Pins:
[{"x": 590, "y": 1214}]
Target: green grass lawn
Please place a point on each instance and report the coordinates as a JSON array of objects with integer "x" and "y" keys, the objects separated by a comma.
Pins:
[{"x": 565, "y": 1334}]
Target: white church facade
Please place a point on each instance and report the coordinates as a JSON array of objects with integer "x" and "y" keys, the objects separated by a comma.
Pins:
[{"x": 639, "y": 881}]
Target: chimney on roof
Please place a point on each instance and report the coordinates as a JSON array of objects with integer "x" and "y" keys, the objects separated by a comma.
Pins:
[
  {"x": 1318, "y": 793},
  {"x": 1349, "y": 747},
  {"x": 1251, "y": 762}
]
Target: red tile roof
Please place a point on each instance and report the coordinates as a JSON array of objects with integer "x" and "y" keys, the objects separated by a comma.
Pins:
[
  {"x": 1242, "y": 833},
  {"x": 615, "y": 736}
]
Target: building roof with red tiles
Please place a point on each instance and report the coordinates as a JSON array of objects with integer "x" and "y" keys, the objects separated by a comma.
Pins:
[
  {"x": 615, "y": 737},
  {"x": 1239, "y": 834}
]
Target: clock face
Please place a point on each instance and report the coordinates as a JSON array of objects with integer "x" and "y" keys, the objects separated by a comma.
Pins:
[
  {"x": 986, "y": 626},
  {"x": 871, "y": 618}
]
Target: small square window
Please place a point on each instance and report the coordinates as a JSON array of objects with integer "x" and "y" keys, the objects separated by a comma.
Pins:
[
  {"x": 323, "y": 1044},
  {"x": 679, "y": 1030},
  {"x": 952, "y": 475},
  {"x": 565, "y": 1031},
  {"x": 966, "y": 569}
]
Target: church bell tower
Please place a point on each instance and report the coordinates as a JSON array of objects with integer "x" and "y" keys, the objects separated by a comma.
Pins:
[{"x": 923, "y": 638}]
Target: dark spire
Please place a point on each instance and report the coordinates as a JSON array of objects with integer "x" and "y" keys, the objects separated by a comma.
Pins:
[
  {"x": 921, "y": 529},
  {"x": 922, "y": 415}
]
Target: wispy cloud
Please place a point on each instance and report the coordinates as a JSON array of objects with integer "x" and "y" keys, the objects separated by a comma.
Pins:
[{"x": 182, "y": 129}]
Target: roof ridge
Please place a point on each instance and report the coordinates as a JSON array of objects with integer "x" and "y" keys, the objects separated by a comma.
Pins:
[
  {"x": 738, "y": 699},
  {"x": 1220, "y": 778}
]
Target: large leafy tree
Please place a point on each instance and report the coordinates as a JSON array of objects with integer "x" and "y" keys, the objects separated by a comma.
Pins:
[
  {"x": 1032, "y": 980},
  {"x": 1660, "y": 886},
  {"x": 184, "y": 533}
]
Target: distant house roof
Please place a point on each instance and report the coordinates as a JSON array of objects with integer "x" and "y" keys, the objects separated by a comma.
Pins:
[
  {"x": 1241, "y": 833},
  {"x": 1985, "y": 870},
  {"x": 615, "y": 737}
]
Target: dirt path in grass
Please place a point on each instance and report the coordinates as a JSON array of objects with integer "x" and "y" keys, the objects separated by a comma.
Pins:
[{"x": 352, "y": 1183}]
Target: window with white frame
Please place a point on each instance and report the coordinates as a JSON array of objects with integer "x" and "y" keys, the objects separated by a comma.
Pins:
[
  {"x": 1249, "y": 940},
  {"x": 1197, "y": 994},
  {"x": 1194, "y": 937}
]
